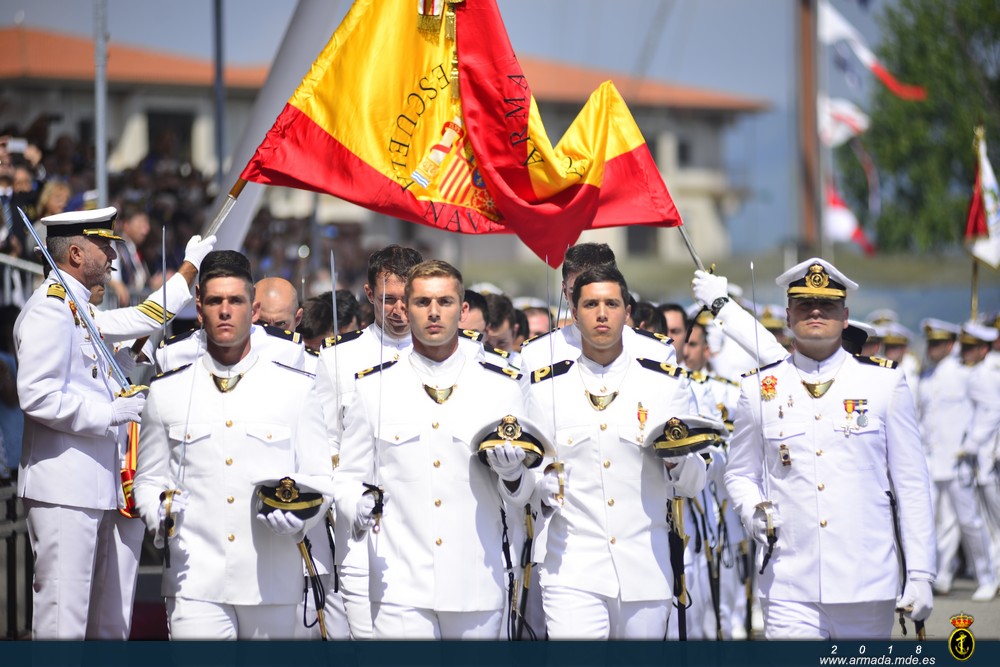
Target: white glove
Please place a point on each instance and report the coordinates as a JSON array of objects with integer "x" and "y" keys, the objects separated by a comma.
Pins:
[
  {"x": 918, "y": 596},
  {"x": 197, "y": 248},
  {"x": 177, "y": 505},
  {"x": 125, "y": 360},
  {"x": 507, "y": 461},
  {"x": 127, "y": 409},
  {"x": 365, "y": 517},
  {"x": 284, "y": 523},
  {"x": 758, "y": 529},
  {"x": 708, "y": 287},
  {"x": 687, "y": 473},
  {"x": 548, "y": 487}
]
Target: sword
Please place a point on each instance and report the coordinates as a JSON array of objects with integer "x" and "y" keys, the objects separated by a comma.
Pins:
[
  {"x": 766, "y": 506},
  {"x": 678, "y": 542},
  {"x": 526, "y": 566},
  {"x": 375, "y": 488},
  {"x": 319, "y": 595}
]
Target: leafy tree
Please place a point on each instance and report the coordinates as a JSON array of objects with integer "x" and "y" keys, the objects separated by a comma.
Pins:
[{"x": 923, "y": 150}]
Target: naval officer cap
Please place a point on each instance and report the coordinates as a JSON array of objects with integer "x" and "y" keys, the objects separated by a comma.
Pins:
[
  {"x": 939, "y": 330},
  {"x": 297, "y": 493},
  {"x": 815, "y": 278},
  {"x": 856, "y": 335},
  {"x": 517, "y": 431},
  {"x": 97, "y": 222},
  {"x": 894, "y": 333},
  {"x": 685, "y": 434},
  {"x": 882, "y": 316},
  {"x": 974, "y": 333}
]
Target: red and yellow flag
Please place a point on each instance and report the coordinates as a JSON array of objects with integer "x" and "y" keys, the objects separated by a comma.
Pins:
[{"x": 419, "y": 110}]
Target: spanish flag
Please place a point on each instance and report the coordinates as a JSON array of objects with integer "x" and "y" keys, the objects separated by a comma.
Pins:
[{"x": 419, "y": 110}]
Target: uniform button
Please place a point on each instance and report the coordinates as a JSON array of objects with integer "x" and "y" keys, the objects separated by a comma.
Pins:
[
  {"x": 822, "y": 523},
  {"x": 437, "y": 464},
  {"x": 437, "y": 503},
  {"x": 229, "y": 462},
  {"x": 819, "y": 452},
  {"x": 607, "y": 463},
  {"x": 395, "y": 357},
  {"x": 569, "y": 441},
  {"x": 821, "y": 486},
  {"x": 604, "y": 427},
  {"x": 818, "y": 417},
  {"x": 230, "y": 500},
  {"x": 611, "y": 502},
  {"x": 397, "y": 438},
  {"x": 435, "y": 425},
  {"x": 268, "y": 436},
  {"x": 438, "y": 541},
  {"x": 188, "y": 436},
  {"x": 613, "y": 540},
  {"x": 229, "y": 422},
  {"x": 232, "y": 538}
]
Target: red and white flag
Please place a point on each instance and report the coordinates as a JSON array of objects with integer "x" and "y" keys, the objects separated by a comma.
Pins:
[
  {"x": 840, "y": 224},
  {"x": 834, "y": 28},
  {"x": 840, "y": 120},
  {"x": 982, "y": 226}
]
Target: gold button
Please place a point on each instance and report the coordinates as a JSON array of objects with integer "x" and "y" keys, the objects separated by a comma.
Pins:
[
  {"x": 229, "y": 422},
  {"x": 821, "y": 486},
  {"x": 395, "y": 357},
  {"x": 604, "y": 427},
  {"x": 607, "y": 463},
  {"x": 188, "y": 436},
  {"x": 229, "y": 462},
  {"x": 437, "y": 464},
  {"x": 268, "y": 436},
  {"x": 438, "y": 541},
  {"x": 437, "y": 503},
  {"x": 232, "y": 538},
  {"x": 818, "y": 417},
  {"x": 822, "y": 523},
  {"x": 230, "y": 500},
  {"x": 819, "y": 452},
  {"x": 397, "y": 438},
  {"x": 569, "y": 441},
  {"x": 613, "y": 540},
  {"x": 435, "y": 425},
  {"x": 611, "y": 502}
]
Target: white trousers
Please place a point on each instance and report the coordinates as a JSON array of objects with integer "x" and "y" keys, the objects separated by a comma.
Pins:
[
  {"x": 575, "y": 614},
  {"x": 86, "y": 564},
  {"x": 357, "y": 604},
  {"x": 989, "y": 502},
  {"x": 197, "y": 619},
  {"x": 333, "y": 611},
  {"x": 786, "y": 619},
  {"x": 974, "y": 534},
  {"x": 393, "y": 621}
]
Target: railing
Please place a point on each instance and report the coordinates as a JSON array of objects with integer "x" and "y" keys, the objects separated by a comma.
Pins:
[
  {"x": 17, "y": 279},
  {"x": 15, "y": 550}
]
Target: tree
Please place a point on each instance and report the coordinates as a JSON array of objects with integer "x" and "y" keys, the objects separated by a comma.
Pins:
[{"x": 923, "y": 150}]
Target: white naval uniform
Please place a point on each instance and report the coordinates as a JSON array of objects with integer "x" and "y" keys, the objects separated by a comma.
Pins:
[
  {"x": 944, "y": 410},
  {"x": 270, "y": 343},
  {"x": 610, "y": 539},
  {"x": 148, "y": 316},
  {"x": 439, "y": 552},
  {"x": 752, "y": 340},
  {"x": 215, "y": 447},
  {"x": 70, "y": 466},
  {"x": 983, "y": 437},
  {"x": 338, "y": 362},
  {"x": 836, "y": 543}
]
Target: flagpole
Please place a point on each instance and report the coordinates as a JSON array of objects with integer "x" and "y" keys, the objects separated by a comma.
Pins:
[
  {"x": 690, "y": 247},
  {"x": 227, "y": 206},
  {"x": 975, "y": 288}
]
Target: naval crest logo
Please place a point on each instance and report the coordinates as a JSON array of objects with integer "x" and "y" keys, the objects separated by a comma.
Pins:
[{"x": 961, "y": 643}]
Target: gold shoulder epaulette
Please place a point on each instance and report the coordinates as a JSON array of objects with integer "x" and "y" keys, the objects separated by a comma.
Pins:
[
  {"x": 471, "y": 334},
  {"x": 666, "y": 340},
  {"x": 509, "y": 372},
  {"x": 155, "y": 311},
  {"x": 169, "y": 373},
  {"x": 294, "y": 370},
  {"x": 762, "y": 368},
  {"x": 552, "y": 371},
  {"x": 312, "y": 352},
  {"x": 502, "y": 353},
  {"x": 343, "y": 338},
  {"x": 719, "y": 378},
  {"x": 876, "y": 361},
  {"x": 537, "y": 336},
  {"x": 698, "y": 376},
  {"x": 282, "y": 333},
  {"x": 373, "y": 369},
  {"x": 660, "y": 367},
  {"x": 179, "y": 337},
  {"x": 57, "y": 291}
]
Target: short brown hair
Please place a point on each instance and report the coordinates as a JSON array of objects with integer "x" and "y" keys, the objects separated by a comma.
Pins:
[{"x": 433, "y": 268}]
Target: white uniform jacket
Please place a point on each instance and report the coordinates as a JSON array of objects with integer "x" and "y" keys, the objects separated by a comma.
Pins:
[
  {"x": 836, "y": 542},
  {"x": 440, "y": 542},
  {"x": 214, "y": 446},
  {"x": 270, "y": 343},
  {"x": 944, "y": 412},
  {"x": 753, "y": 340},
  {"x": 70, "y": 451},
  {"x": 984, "y": 428},
  {"x": 148, "y": 316},
  {"x": 610, "y": 536}
]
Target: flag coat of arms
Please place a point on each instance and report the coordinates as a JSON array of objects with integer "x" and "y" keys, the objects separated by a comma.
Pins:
[{"x": 419, "y": 110}]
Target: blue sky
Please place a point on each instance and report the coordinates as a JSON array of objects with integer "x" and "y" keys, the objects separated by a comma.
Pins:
[{"x": 739, "y": 46}]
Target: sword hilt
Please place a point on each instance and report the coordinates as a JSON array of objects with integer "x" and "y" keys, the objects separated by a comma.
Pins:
[{"x": 379, "y": 493}]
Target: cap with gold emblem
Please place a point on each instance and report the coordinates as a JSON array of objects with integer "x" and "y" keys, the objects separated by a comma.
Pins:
[
  {"x": 772, "y": 317},
  {"x": 894, "y": 333},
  {"x": 517, "y": 431},
  {"x": 939, "y": 330},
  {"x": 974, "y": 333},
  {"x": 686, "y": 434},
  {"x": 815, "y": 279},
  {"x": 98, "y": 222},
  {"x": 301, "y": 494}
]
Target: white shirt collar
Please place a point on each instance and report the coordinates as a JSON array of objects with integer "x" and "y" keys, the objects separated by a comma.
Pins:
[
  {"x": 819, "y": 370},
  {"x": 222, "y": 370}
]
